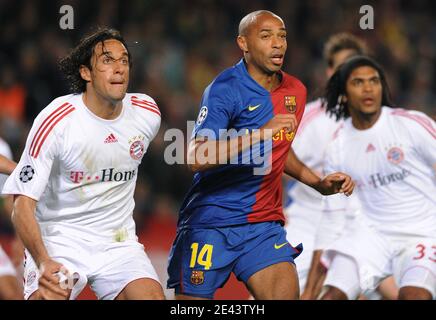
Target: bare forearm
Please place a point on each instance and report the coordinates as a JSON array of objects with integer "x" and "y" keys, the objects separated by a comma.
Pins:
[
  {"x": 203, "y": 155},
  {"x": 27, "y": 228},
  {"x": 8, "y": 205},
  {"x": 298, "y": 170},
  {"x": 6, "y": 165}
]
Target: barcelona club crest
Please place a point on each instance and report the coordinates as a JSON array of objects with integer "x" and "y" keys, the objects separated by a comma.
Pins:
[
  {"x": 197, "y": 277},
  {"x": 291, "y": 103}
]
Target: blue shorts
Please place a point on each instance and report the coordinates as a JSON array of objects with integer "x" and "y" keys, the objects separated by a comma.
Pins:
[{"x": 201, "y": 260}]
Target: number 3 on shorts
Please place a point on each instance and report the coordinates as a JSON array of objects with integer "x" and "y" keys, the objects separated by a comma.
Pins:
[
  {"x": 206, "y": 250},
  {"x": 421, "y": 251}
]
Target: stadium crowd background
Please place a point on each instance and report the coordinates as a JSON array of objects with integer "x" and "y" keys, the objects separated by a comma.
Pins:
[{"x": 178, "y": 47}]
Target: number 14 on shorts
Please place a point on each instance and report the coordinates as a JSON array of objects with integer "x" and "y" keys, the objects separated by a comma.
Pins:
[{"x": 204, "y": 258}]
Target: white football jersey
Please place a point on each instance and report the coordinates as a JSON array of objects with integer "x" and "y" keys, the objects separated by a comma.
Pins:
[
  {"x": 393, "y": 164},
  {"x": 82, "y": 169},
  {"x": 5, "y": 151},
  {"x": 313, "y": 136}
]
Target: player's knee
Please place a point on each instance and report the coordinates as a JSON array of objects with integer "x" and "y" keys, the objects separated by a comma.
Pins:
[
  {"x": 334, "y": 294},
  {"x": 9, "y": 288},
  {"x": 156, "y": 296},
  {"x": 187, "y": 297},
  {"x": 11, "y": 295},
  {"x": 35, "y": 296},
  {"x": 414, "y": 293},
  {"x": 275, "y": 282},
  {"x": 281, "y": 292},
  {"x": 156, "y": 291}
]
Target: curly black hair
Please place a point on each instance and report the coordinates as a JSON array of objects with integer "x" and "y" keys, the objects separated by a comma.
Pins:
[
  {"x": 81, "y": 55},
  {"x": 336, "y": 86}
]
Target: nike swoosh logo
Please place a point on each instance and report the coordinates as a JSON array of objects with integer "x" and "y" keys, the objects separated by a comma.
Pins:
[
  {"x": 252, "y": 108},
  {"x": 280, "y": 245}
]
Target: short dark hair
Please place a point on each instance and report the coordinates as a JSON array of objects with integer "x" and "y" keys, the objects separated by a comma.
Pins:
[
  {"x": 343, "y": 41},
  {"x": 336, "y": 86},
  {"x": 82, "y": 53}
]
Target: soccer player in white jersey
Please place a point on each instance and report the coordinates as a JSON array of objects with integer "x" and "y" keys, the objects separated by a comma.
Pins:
[
  {"x": 76, "y": 178},
  {"x": 391, "y": 153},
  {"x": 9, "y": 288},
  {"x": 316, "y": 129}
]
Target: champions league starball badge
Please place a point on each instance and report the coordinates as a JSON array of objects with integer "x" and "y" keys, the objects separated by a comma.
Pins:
[
  {"x": 26, "y": 174},
  {"x": 202, "y": 115}
]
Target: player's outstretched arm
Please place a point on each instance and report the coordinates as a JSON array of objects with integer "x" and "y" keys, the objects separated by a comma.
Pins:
[
  {"x": 27, "y": 228},
  {"x": 333, "y": 183},
  {"x": 6, "y": 165},
  {"x": 205, "y": 154}
]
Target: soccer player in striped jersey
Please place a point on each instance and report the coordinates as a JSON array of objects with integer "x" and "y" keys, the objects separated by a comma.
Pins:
[
  {"x": 76, "y": 178},
  {"x": 391, "y": 153},
  {"x": 232, "y": 217}
]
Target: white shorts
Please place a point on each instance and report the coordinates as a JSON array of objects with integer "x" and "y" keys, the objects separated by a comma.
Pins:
[
  {"x": 376, "y": 256},
  {"x": 6, "y": 266},
  {"x": 301, "y": 226},
  {"x": 107, "y": 267}
]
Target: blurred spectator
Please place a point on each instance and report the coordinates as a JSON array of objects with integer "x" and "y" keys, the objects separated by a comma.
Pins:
[{"x": 12, "y": 104}]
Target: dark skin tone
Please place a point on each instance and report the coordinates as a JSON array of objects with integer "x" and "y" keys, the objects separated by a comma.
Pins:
[
  {"x": 363, "y": 98},
  {"x": 263, "y": 43}
]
